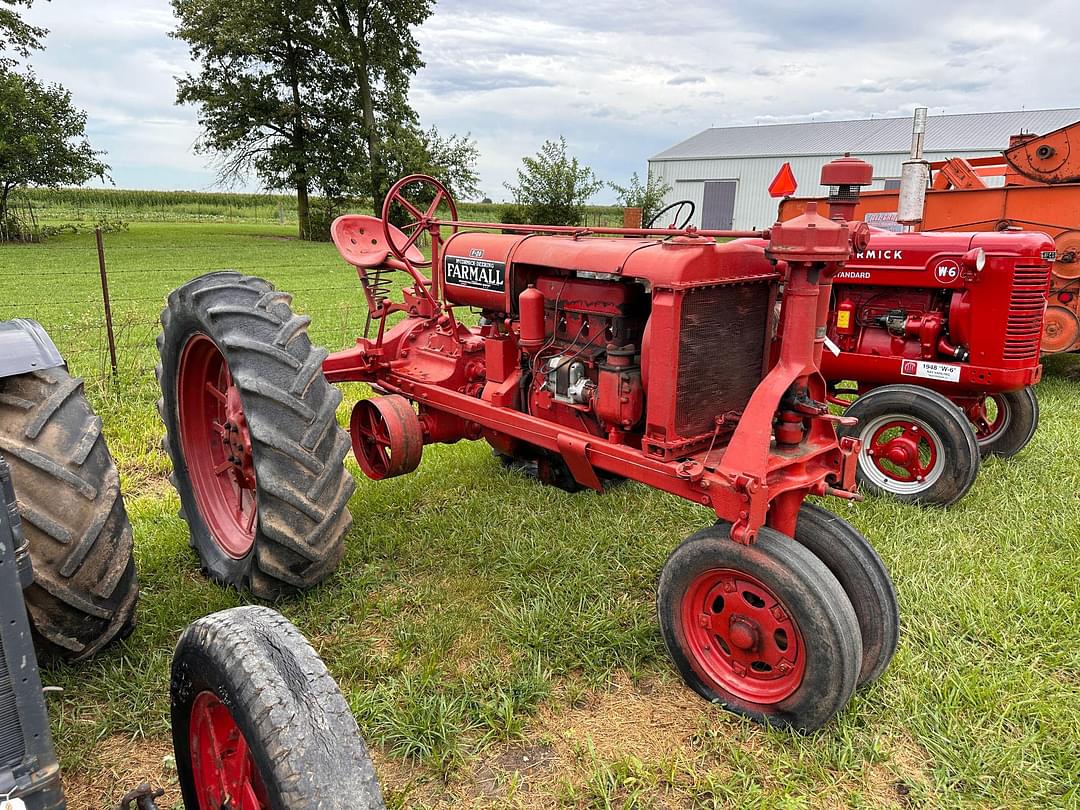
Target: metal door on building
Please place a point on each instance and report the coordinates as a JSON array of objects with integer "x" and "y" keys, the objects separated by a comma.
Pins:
[{"x": 718, "y": 205}]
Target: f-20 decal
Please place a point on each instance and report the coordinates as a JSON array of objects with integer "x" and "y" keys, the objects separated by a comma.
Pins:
[{"x": 478, "y": 274}]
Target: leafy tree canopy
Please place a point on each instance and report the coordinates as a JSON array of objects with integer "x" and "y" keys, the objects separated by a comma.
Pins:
[
  {"x": 42, "y": 138},
  {"x": 552, "y": 188},
  {"x": 647, "y": 196},
  {"x": 16, "y": 35}
]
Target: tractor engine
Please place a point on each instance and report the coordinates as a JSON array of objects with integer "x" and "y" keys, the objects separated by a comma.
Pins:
[
  {"x": 588, "y": 315},
  {"x": 948, "y": 307}
]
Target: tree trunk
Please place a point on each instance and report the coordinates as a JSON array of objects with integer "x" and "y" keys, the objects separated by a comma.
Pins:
[
  {"x": 362, "y": 75},
  {"x": 303, "y": 205}
]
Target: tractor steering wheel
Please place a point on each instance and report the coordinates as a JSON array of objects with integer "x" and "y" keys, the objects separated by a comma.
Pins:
[
  {"x": 676, "y": 205},
  {"x": 420, "y": 220}
]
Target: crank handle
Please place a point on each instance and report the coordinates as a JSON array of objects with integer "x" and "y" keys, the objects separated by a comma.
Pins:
[{"x": 824, "y": 489}]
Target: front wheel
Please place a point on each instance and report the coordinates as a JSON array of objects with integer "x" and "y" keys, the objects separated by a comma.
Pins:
[
  {"x": 259, "y": 724},
  {"x": 764, "y": 629},
  {"x": 1005, "y": 423},
  {"x": 917, "y": 446},
  {"x": 257, "y": 454},
  {"x": 864, "y": 578}
]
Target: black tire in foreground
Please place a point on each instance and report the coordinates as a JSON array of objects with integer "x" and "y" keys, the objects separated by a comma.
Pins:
[
  {"x": 85, "y": 588},
  {"x": 862, "y": 575},
  {"x": 917, "y": 446},
  {"x": 765, "y": 629},
  {"x": 257, "y": 721},
  {"x": 257, "y": 454},
  {"x": 1018, "y": 412}
]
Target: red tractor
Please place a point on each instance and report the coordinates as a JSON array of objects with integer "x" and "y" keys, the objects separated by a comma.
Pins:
[
  {"x": 938, "y": 333},
  {"x": 642, "y": 357}
]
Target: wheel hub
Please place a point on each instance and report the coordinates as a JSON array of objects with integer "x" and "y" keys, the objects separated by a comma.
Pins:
[
  {"x": 743, "y": 633},
  {"x": 900, "y": 453},
  {"x": 741, "y": 638}
]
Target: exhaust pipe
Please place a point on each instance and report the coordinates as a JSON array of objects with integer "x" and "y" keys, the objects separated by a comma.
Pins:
[{"x": 914, "y": 177}]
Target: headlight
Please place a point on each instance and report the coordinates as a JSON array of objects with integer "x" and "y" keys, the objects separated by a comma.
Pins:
[{"x": 975, "y": 259}]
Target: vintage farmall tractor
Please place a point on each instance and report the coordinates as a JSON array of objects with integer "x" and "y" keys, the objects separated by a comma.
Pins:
[
  {"x": 648, "y": 356},
  {"x": 934, "y": 348}
]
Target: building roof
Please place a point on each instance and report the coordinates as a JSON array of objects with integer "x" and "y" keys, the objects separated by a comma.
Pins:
[{"x": 944, "y": 133}]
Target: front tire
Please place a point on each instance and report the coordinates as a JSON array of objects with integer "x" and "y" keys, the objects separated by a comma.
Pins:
[
  {"x": 258, "y": 723},
  {"x": 917, "y": 446},
  {"x": 85, "y": 588},
  {"x": 1011, "y": 427},
  {"x": 765, "y": 629},
  {"x": 251, "y": 428},
  {"x": 864, "y": 578}
]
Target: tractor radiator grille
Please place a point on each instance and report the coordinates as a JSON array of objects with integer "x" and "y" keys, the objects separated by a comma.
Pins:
[
  {"x": 721, "y": 350},
  {"x": 1023, "y": 331},
  {"x": 11, "y": 735}
]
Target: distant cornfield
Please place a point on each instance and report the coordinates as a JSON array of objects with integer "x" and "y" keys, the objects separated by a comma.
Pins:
[{"x": 90, "y": 205}]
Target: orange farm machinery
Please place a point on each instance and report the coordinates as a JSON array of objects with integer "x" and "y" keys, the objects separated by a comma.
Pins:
[
  {"x": 642, "y": 353},
  {"x": 933, "y": 345}
]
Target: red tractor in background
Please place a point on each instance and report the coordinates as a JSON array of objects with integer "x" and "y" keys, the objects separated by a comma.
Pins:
[
  {"x": 935, "y": 336},
  {"x": 1041, "y": 192},
  {"x": 649, "y": 357}
]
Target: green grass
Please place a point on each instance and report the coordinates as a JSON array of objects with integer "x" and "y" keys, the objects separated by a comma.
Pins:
[{"x": 477, "y": 614}]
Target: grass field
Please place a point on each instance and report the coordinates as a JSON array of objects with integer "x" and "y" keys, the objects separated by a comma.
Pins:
[{"x": 497, "y": 640}]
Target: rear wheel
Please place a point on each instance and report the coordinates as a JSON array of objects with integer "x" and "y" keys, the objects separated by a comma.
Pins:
[
  {"x": 258, "y": 457},
  {"x": 259, "y": 724},
  {"x": 917, "y": 446},
  {"x": 764, "y": 629},
  {"x": 862, "y": 575},
  {"x": 84, "y": 589},
  {"x": 1005, "y": 423}
]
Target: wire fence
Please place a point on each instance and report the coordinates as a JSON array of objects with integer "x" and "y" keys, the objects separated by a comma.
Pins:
[{"x": 106, "y": 320}]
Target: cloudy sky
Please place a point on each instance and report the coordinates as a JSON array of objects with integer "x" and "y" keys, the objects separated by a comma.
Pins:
[{"x": 621, "y": 79}]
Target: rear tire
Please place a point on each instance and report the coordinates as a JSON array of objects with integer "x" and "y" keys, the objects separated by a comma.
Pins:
[
  {"x": 84, "y": 589},
  {"x": 248, "y": 677},
  {"x": 242, "y": 333},
  {"x": 1018, "y": 412},
  {"x": 917, "y": 446},
  {"x": 864, "y": 578},
  {"x": 765, "y": 629}
]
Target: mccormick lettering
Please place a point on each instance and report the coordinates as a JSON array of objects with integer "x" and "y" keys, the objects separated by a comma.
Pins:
[
  {"x": 479, "y": 274},
  {"x": 895, "y": 255}
]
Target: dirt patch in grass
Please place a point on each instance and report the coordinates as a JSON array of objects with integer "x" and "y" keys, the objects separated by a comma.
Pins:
[{"x": 122, "y": 763}]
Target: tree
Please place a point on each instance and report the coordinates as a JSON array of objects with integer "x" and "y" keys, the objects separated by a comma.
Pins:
[
  {"x": 449, "y": 159},
  {"x": 553, "y": 188},
  {"x": 42, "y": 138},
  {"x": 647, "y": 197},
  {"x": 262, "y": 94},
  {"x": 374, "y": 39},
  {"x": 15, "y": 34},
  {"x": 307, "y": 94}
]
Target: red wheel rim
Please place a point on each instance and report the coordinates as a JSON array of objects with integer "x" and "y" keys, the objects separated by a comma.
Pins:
[
  {"x": 987, "y": 425},
  {"x": 903, "y": 451},
  {"x": 216, "y": 442},
  {"x": 222, "y": 768},
  {"x": 741, "y": 638}
]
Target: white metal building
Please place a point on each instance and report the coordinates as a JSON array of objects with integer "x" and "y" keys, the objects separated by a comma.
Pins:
[{"x": 726, "y": 171}]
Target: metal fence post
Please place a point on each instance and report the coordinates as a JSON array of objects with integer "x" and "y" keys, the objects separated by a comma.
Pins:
[{"x": 105, "y": 298}]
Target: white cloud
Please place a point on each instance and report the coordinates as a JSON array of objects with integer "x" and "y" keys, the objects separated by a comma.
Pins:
[{"x": 621, "y": 79}]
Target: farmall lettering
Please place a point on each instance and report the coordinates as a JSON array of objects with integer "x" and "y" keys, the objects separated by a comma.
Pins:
[{"x": 475, "y": 272}]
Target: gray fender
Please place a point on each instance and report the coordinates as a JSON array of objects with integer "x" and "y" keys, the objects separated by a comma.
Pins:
[{"x": 25, "y": 346}]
